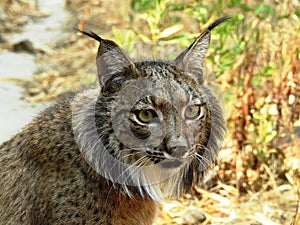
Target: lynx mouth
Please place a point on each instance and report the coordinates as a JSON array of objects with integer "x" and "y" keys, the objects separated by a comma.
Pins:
[{"x": 171, "y": 163}]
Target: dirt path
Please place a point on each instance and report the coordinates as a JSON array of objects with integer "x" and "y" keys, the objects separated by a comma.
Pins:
[{"x": 20, "y": 63}]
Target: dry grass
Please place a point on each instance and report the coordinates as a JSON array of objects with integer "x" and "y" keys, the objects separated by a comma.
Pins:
[{"x": 223, "y": 205}]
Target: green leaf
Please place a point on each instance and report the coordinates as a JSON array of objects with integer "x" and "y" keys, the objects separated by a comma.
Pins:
[
  {"x": 270, "y": 136},
  {"x": 144, "y": 37},
  {"x": 177, "y": 6},
  {"x": 170, "y": 30},
  {"x": 142, "y": 5},
  {"x": 240, "y": 16},
  {"x": 263, "y": 11}
]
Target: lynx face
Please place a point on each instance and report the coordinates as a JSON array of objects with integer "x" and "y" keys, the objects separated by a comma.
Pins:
[
  {"x": 160, "y": 117},
  {"x": 153, "y": 127}
]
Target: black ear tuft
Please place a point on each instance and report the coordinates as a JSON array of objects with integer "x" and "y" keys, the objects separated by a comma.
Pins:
[
  {"x": 218, "y": 22},
  {"x": 90, "y": 34}
]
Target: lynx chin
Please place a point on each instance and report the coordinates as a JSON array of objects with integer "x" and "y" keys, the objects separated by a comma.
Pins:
[{"x": 110, "y": 155}]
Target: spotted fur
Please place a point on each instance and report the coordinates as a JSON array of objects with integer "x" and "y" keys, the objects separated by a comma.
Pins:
[{"x": 92, "y": 159}]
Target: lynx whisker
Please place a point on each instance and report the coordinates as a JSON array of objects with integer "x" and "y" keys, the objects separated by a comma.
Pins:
[
  {"x": 132, "y": 167},
  {"x": 202, "y": 159}
]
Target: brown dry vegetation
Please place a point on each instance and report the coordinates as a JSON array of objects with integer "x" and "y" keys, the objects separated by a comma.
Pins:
[{"x": 255, "y": 62}]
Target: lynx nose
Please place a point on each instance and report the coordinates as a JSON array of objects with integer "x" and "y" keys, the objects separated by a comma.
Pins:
[{"x": 177, "y": 151}]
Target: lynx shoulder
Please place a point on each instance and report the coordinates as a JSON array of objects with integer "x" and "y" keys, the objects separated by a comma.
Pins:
[{"x": 111, "y": 155}]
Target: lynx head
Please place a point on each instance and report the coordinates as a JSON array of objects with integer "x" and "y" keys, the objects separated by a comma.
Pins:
[{"x": 154, "y": 127}]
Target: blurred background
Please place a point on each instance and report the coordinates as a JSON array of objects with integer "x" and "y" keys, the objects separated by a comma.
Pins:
[{"x": 253, "y": 63}]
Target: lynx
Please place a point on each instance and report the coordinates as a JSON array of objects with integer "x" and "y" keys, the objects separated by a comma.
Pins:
[{"x": 110, "y": 155}]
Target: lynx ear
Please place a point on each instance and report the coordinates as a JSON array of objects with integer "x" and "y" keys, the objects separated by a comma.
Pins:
[
  {"x": 110, "y": 58},
  {"x": 192, "y": 59}
]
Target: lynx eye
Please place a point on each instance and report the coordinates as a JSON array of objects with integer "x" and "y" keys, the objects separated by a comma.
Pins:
[
  {"x": 193, "y": 112},
  {"x": 146, "y": 115}
]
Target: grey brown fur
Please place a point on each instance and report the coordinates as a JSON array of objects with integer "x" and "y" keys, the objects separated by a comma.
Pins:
[{"x": 57, "y": 170}]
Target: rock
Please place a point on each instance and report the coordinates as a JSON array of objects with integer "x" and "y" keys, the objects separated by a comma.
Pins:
[
  {"x": 193, "y": 215},
  {"x": 2, "y": 40},
  {"x": 24, "y": 46}
]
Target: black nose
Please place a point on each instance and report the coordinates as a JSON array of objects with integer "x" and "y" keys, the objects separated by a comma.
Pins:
[{"x": 177, "y": 151}]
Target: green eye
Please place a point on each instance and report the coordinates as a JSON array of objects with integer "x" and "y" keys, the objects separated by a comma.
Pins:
[
  {"x": 192, "y": 112},
  {"x": 146, "y": 115}
]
